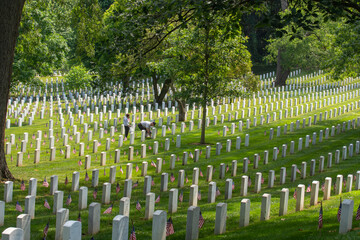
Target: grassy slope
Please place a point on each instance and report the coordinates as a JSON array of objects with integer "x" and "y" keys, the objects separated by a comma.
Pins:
[{"x": 294, "y": 225}]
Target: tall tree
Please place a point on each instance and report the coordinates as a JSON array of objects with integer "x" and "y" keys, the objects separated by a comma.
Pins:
[{"x": 10, "y": 15}]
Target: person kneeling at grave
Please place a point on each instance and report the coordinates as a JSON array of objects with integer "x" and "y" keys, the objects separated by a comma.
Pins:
[{"x": 146, "y": 125}]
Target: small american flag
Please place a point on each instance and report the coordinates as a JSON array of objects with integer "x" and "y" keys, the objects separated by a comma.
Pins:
[
  {"x": 157, "y": 199},
  {"x": 80, "y": 163},
  {"x": 320, "y": 217},
  {"x": 150, "y": 147},
  {"x": 172, "y": 178},
  {"x": 121, "y": 170},
  {"x": 323, "y": 187},
  {"x": 218, "y": 132},
  {"x": 295, "y": 194},
  {"x": 28, "y": 155},
  {"x": 45, "y": 183},
  {"x": 339, "y": 211},
  {"x": 137, "y": 168},
  {"x": 153, "y": 164},
  {"x": 95, "y": 193},
  {"x": 46, "y": 204},
  {"x": 298, "y": 171},
  {"x": 66, "y": 180},
  {"x": 22, "y": 186},
  {"x": 18, "y": 207},
  {"x": 358, "y": 213},
  {"x": 217, "y": 192},
  {"x": 181, "y": 196},
  {"x": 186, "y": 179},
  {"x": 169, "y": 227},
  {"x": 109, "y": 210},
  {"x": 117, "y": 188},
  {"x": 178, "y": 159},
  {"x": 308, "y": 188},
  {"x": 68, "y": 200},
  {"x": 86, "y": 176},
  {"x": 233, "y": 185},
  {"x": 133, "y": 235},
  {"x": 191, "y": 155},
  {"x": 227, "y": 167},
  {"x": 201, "y": 220},
  {"x": 135, "y": 184},
  {"x": 152, "y": 182},
  {"x": 199, "y": 195},
  {"x": 79, "y": 218},
  {"x": 74, "y": 151},
  {"x": 138, "y": 206},
  {"x": 104, "y": 172},
  {"x": 344, "y": 183},
  {"x": 249, "y": 182},
  {"x": 201, "y": 173},
  {"x": 262, "y": 180},
  {"x": 137, "y": 153},
  {"x": 46, "y": 229}
]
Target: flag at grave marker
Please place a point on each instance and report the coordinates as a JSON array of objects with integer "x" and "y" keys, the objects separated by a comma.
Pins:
[
  {"x": 137, "y": 153},
  {"x": 157, "y": 199},
  {"x": 358, "y": 213},
  {"x": 138, "y": 206},
  {"x": 46, "y": 204},
  {"x": 150, "y": 147},
  {"x": 135, "y": 184},
  {"x": 181, "y": 196},
  {"x": 339, "y": 212},
  {"x": 133, "y": 235},
  {"x": 178, "y": 159},
  {"x": 74, "y": 151},
  {"x": 153, "y": 164},
  {"x": 323, "y": 187},
  {"x": 199, "y": 195},
  {"x": 320, "y": 217},
  {"x": 262, "y": 180},
  {"x": 152, "y": 182},
  {"x": 18, "y": 207},
  {"x": 137, "y": 168},
  {"x": 191, "y": 155},
  {"x": 95, "y": 193},
  {"x": 80, "y": 163},
  {"x": 249, "y": 182},
  {"x": 227, "y": 167},
  {"x": 86, "y": 177},
  {"x": 308, "y": 189},
  {"x": 121, "y": 170},
  {"x": 22, "y": 186},
  {"x": 28, "y": 155},
  {"x": 217, "y": 192},
  {"x": 45, "y": 183},
  {"x": 46, "y": 229},
  {"x": 295, "y": 194},
  {"x": 201, "y": 220},
  {"x": 186, "y": 179},
  {"x": 344, "y": 182},
  {"x": 79, "y": 218},
  {"x": 68, "y": 200},
  {"x": 172, "y": 178},
  {"x": 109, "y": 210},
  {"x": 233, "y": 185},
  {"x": 169, "y": 227},
  {"x": 201, "y": 173},
  {"x": 117, "y": 188},
  {"x": 66, "y": 180}
]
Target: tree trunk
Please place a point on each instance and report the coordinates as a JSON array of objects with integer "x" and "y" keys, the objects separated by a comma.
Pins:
[
  {"x": 164, "y": 90},
  {"x": 281, "y": 73},
  {"x": 181, "y": 110},
  {"x": 155, "y": 81},
  {"x": 10, "y": 15}
]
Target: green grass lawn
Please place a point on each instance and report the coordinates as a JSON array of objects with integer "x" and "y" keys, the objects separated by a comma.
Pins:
[{"x": 294, "y": 225}]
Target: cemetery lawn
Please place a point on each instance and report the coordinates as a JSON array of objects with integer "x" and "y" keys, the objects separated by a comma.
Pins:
[{"x": 294, "y": 225}]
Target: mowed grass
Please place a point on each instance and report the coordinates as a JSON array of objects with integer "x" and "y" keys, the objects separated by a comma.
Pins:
[{"x": 294, "y": 225}]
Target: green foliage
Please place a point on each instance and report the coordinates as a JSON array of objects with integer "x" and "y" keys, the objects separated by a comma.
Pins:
[
  {"x": 40, "y": 49},
  {"x": 78, "y": 78}
]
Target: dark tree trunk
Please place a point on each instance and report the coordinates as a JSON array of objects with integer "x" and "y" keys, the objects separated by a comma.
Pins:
[
  {"x": 203, "y": 121},
  {"x": 163, "y": 91},
  {"x": 10, "y": 15},
  {"x": 181, "y": 110},
  {"x": 281, "y": 73},
  {"x": 155, "y": 81}
]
